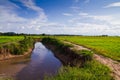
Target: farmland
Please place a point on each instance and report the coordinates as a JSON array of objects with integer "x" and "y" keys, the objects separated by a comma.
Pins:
[
  {"x": 107, "y": 46},
  {"x": 93, "y": 70},
  {"x": 6, "y": 39}
]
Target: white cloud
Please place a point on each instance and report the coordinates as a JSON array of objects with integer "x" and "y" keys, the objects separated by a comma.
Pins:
[
  {"x": 67, "y": 14},
  {"x": 83, "y": 14},
  {"x": 80, "y": 28},
  {"x": 7, "y": 15},
  {"x": 10, "y": 21},
  {"x": 96, "y": 24},
  {"x": 116, "y": 4},
  {"x": 101, "y": 18},
  {"x": 106, "y": 18},
  {"x": 31, "y": 5}
]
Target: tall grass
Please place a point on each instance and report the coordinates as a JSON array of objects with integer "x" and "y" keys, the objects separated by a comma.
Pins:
[
  {"x": 17, "y": 48},
  {"x": 91, "y": 71}
]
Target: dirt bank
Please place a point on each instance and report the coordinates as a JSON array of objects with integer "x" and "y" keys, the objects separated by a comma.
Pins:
[
  {"x": 7, "y": 56},
  {"x": 71, "y": 58},
  {"x": 113, "y": 65},
  {"x": 16, "y": 49},
  {"x": 66, "y": 53}
]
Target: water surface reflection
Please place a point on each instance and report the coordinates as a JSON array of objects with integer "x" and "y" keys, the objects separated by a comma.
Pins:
[{"x": 42, "y": 63}]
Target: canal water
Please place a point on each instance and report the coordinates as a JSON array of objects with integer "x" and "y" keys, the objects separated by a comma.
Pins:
[{"x": 41, "y": 63}]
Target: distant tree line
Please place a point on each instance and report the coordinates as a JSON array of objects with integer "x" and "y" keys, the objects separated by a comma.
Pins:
[
  {"x": 19, "y": 34},
  {"x": 43, "y": 34}
]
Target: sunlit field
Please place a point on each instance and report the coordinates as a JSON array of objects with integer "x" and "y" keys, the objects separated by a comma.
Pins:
[
  {"x": 91, "y": 70},
  {"x": 6, "y": 39},
  {"x": 107, "y": 46}
]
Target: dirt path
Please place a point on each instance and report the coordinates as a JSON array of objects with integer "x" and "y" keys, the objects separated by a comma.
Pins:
[{"x": 112, "y": 64}]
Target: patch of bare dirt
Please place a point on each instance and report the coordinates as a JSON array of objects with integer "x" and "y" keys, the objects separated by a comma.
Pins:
[
  {"x": 112, "y": 64},
  {"x": 77, "y": 47}
]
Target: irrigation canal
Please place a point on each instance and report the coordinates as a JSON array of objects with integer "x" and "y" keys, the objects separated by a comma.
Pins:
[{"x": 41, "y": 62}]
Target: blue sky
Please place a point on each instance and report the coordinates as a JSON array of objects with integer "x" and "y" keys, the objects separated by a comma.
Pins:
[{"x": 81, "y": 17}]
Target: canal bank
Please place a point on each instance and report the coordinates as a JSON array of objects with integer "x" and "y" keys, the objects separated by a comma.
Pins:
[
  {"x": 16, "y": 49},
  {"x": 67, "y": 53}
]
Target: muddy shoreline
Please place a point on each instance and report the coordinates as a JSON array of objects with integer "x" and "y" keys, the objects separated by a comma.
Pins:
[{"x": 8, "y": 56}]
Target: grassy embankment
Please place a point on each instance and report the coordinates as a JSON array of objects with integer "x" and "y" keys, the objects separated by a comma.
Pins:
[
  {"x": 107, "y": 46},
  {"x": 91, "y": 70},
  {"x": 15, "y": 45}
]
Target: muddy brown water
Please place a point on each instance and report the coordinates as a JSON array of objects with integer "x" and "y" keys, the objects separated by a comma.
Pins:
[{"x": 41, "y": 63}]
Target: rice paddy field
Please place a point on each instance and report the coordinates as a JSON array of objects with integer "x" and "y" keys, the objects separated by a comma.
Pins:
[
  {"x": 7, "y": 39},
  {"x": 107, "y": 46}
]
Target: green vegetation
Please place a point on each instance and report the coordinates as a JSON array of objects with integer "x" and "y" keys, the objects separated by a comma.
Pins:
[
  {"x": 87, "y": 55},
  {"x": 7, "y": 39},
  {"x": 17, "y": 48},
  {"x": 107, "y": 46},
  {"x": 92, "y": 70},
  {"x": 63, "y": 46},
  {"x": 59, "y": 45}
]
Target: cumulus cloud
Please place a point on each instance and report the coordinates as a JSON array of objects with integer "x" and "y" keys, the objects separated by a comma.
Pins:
[
  {"x": 96, "y": 24},
  {"x": 83, "y": 14},
  {"x": 11, "y": 21},
  {"x": 80, "y": 28},
  {"x": 31, "y": 5},
  {"x": 116, "y": 4},
  {"x": 67, "y": 14}
]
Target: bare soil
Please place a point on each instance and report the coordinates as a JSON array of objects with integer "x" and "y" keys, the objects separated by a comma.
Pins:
[{"x": 112, "y": 64}]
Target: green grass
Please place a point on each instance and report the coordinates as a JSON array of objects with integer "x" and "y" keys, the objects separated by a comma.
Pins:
[
  {"x": 107, "y": 46},
  {"x": 7, "y": 39},
  {"x": 91, "y": 71},
  {"x": 18, "y": 46}
]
